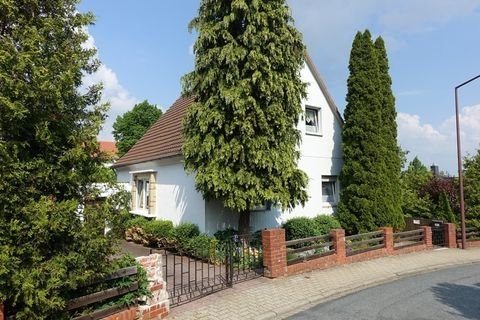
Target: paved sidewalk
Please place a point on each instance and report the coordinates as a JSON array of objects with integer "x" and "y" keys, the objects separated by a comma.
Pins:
[{"x": 279, "y": 298}]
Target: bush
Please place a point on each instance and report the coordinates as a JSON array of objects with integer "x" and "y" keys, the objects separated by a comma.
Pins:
[
  {"x": 158, "y": 232},
  {"x": 226, "y": 234},
  {"x": 183, "y": 233},
  {"x": 135, "y": 230},
  {"x": 325, "y": 223},
  {"x": 301, "y": 227},
  {"x": 202, "y": 247}
]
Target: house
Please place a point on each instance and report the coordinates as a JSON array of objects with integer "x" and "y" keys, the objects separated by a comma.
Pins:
[{"x": 154, "y": 173}]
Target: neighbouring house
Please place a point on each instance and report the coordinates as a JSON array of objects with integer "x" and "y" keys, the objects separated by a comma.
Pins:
[{"x": 154, "y": 172}]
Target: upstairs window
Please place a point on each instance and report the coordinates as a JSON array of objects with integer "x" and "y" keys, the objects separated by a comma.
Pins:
[{"x": 312, "y": 120}]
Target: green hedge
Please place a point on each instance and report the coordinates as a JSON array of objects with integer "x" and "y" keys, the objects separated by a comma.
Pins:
[
  {"x": 159, "y": 232},
  {"x": 303, "y": 227},
  {"x": 182, "y": 234}
]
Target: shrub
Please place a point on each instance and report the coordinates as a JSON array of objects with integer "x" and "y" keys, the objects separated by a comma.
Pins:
[
  {"x": 135, "y": 230},
  {"x": 202, "y": 247},
  {"x": 301, "y": 227},
  {"x": 183, "y": 233},
  {"x": 325, "y": 223},
  {"x": 158, "y": 232},
  {"x": 226, "y": 234}
]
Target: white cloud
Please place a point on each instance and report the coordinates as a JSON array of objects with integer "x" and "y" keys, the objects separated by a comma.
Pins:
[
  {"x": 438, "y": 145},
  {"x": 113, "y": 92}
]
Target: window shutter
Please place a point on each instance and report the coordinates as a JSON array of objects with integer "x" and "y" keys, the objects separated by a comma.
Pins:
[
  {"x": 134, "y": 193},
  {"x": 152, "y": 202}
]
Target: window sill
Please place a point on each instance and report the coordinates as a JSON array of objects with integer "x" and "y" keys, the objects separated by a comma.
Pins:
[
  {"x": 143, "y": 213},
  {"x": 313, "y": 134}
]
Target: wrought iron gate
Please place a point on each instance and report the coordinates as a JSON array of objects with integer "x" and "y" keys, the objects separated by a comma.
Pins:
[
  {"x": 195, "y": 273},
  {"x": 438, "y": 233}
]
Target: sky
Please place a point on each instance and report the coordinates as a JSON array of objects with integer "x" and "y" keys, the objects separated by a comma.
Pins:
[{"x": 433, "y": 45}]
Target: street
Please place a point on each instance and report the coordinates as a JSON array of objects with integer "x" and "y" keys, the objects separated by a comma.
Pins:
[{"x": 447, "y": 294}]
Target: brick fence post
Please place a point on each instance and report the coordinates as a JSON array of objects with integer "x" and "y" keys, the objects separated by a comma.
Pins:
[
  {"x": 450, "y": 234},
  {"x": 157, "y": 306},
  {"x": 2, "y": 312},
  {"x": 427, "y": 231},
  {"x": 388, "y": 238},
  {"x": 338, "y": 239},
  {"x": 274, "y": 253}
]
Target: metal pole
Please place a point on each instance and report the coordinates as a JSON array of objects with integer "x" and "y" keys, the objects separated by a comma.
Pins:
[
  {"x": 460, "y": 171},
  {"x": 459, "y": 160}
]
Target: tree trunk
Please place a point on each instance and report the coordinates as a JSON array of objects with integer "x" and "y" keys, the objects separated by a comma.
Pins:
[{"x": 244, "y": 222}]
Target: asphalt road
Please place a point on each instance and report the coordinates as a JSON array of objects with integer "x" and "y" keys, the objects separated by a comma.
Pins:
[{"x": 446, "y": 294}]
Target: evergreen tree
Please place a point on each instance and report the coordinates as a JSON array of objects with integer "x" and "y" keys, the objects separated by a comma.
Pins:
[
  {"x": 370, "y": 176},
  {"x": 445, "y": 211},
  {"x": 49, "y": 159},
  {"x": 240, "y": 134},
  {"x": 472, "y": 189},
  {"x": 132, "y": 125},
  {"x": 392, "y": 214},
  {"x": 413, "y": 180}
]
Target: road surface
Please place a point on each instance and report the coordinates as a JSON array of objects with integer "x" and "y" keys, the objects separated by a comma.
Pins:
[{"x": 447, "y": 294}]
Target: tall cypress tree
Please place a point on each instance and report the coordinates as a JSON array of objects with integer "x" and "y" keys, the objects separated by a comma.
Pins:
[
  {"x": 49, "y": 159},
  {"x": 370, "y": 176},
  {"x": 360, "y": 177},
  {"x": 392, "y": 214},
  {"x": 240, "y": 134}
]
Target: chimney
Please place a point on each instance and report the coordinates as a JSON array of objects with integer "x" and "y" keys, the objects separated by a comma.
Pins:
[{"x": 435, "y": 170}]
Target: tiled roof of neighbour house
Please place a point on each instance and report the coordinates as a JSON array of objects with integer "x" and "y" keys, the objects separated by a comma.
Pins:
[
  {"x": 163, "y": 139},
  {"x": 108, "y": 147}
]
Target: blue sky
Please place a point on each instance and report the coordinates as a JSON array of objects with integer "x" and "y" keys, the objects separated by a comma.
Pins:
[{"x": 433, "y": 45}]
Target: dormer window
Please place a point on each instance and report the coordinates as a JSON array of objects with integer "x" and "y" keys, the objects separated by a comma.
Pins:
[{"x": 312, "y": 120}]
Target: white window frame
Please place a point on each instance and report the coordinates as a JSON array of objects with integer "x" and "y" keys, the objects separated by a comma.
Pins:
[
  {"x": 143, "y": 196},
  {"x": 316, "y": 128},
  {"x": 330, "y": 199}
]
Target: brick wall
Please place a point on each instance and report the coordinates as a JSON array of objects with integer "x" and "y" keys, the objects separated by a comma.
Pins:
[
  {"x": 450, "y": 234},
  {"x": 156, "y": 307},
  {"x": 129, "y": 314},
  {"x": 2, "y": 312},
  {"x": 275, "y": 257}
]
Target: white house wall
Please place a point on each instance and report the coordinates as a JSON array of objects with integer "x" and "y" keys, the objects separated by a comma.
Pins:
[
  {"x": 176, "y": 196},
  {"x": 321, "y": 155}
]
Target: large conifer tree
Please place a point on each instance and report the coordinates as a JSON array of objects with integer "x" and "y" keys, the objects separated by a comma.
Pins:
[
  {"x": 372, "y": 159},
  {"x": 240, "y": 134},
  {"x": 392, "y": 214},
  {"x": 49, "y": 158}
]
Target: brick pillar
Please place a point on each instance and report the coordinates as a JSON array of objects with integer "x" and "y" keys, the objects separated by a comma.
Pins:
[
  {"x": 450, "y": 234},
  {"x": 428, "y": 237},
  {"x": 274, "y": 253},
  {"x": 388, "y": 236},
  {"x": 2, "y": 312},
  {"x": 338, "y": 239},
  {"x": 157, "y": 306}
]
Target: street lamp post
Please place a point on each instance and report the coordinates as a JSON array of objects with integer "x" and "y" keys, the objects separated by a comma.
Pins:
[{"x": 459, "y": 160}]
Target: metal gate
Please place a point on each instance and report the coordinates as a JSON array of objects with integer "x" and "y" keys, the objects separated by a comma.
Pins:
[
  {"x": 438, "y": 233},
  {"x": 195, "y": 273}
]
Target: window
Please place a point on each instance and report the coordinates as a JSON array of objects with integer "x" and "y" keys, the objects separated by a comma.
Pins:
[
  {"x": 329, "y": 189},
  {"x": 143, "y": 193},
  {"x": 312, "y": 123}
]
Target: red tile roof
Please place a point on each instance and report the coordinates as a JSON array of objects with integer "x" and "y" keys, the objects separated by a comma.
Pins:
[
  {"x": 108, "y": 147},
  {"x": 163, "y": 140}
]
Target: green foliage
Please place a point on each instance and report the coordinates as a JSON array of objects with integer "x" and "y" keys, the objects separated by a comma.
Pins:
[
  {"x": 159, "y": 232},
  {"x": 203, "y": 247},
  {"x": 472, "y": 189},
  {"x": 226, "y": 234},
  {"x": 370, "y": 175},
  {"x": 413, "y": 180},
  {"x": 132, "y": 125},
  {"x": 445, "y": 211},
  {"x": 183, "y": 233},
  {"x": 299, "y": 228},
  {"x": 49, "y": 159},
  {"x": 240, "y": 133},
  {"x": 324, "y": 223}
]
